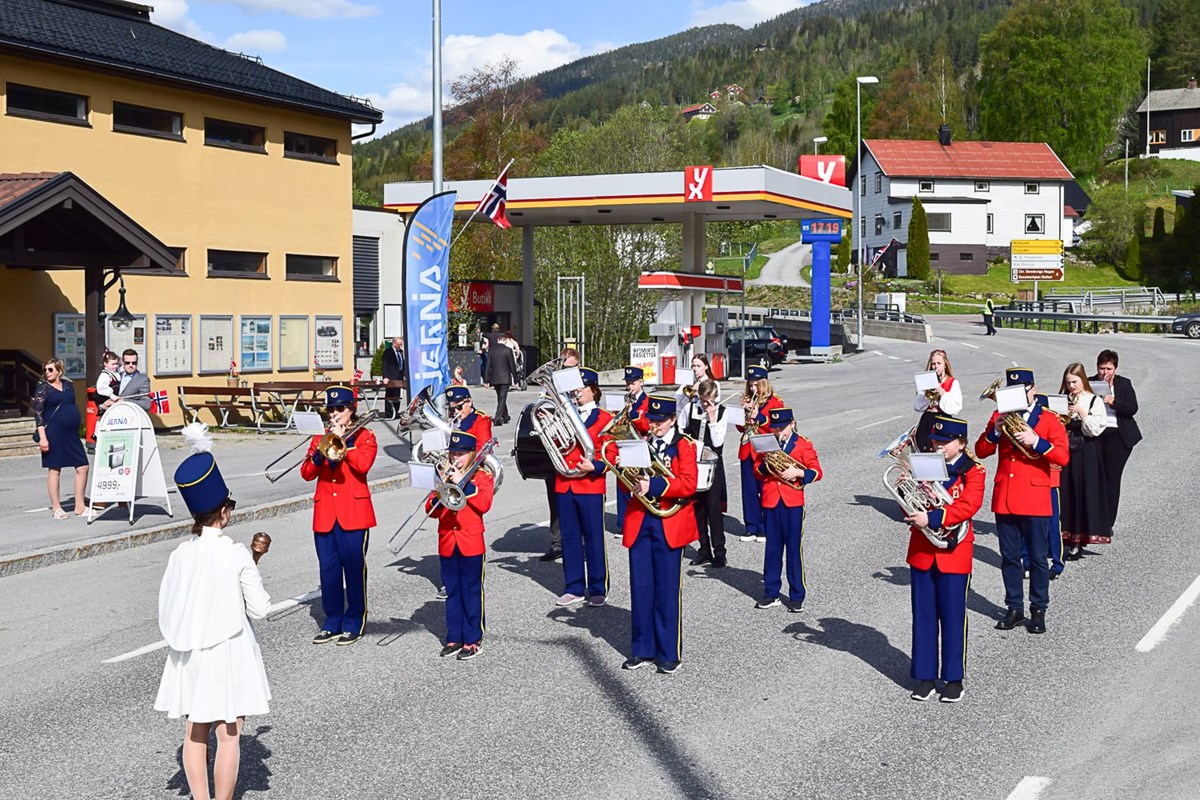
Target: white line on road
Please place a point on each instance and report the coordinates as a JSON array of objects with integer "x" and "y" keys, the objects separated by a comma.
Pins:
[
  {"x": 894, "y": 358},
  {"x": 972, "y": 346},
  {"x": 999, "y": 354},
  {"x": 882, "y": 422},
  {"x": 1029, "y": 788},
  {"x": 877, "y": 352},
  {"x": 1160, "y": 629},
  {"x": 1014, "y": 363}
]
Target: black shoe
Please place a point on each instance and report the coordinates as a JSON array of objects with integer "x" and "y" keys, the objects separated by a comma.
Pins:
[
  {"x": 325, "y": 637},
  {"x": 1054, "y": 574},
  {"x": 668, "y": 668},
  {"x": 795, "y": 608},
  {"x": 450, "y": 649},
  {"x": 953, "y": 692},
  {"x": 442, "y": 594},
  {"x": 468, "y": 652},
  {"x": 924, "y": 691},
  {"x": 701, "y": 559},
  {"x": 1011, "y": 620},
  {"x": 1037, "y": 620},
  {"x": 718, "y": 562},
  {"x": 553, "y": 554},
  {"x": 768, "y": 602},
  {"x": 636, "y": 663},
  {"x": 348, "y": 638},
  {"x": 1073, "y": 554}
]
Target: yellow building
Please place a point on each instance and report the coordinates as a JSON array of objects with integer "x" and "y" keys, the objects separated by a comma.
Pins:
[{"x": 242, "y": 172}]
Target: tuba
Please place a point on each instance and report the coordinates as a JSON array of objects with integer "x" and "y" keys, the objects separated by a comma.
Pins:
[
  {"x": 1009, "y": 424},
  {"x": 556, "y": 421},
  {"x": 914, "y": 496}
]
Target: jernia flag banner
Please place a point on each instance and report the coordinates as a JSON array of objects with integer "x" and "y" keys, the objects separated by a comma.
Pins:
[{"x": 426, "y": 290}]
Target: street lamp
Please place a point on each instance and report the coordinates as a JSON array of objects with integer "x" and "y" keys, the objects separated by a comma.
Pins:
[
  {"x": 859, "y": 81},
  {"x": 817, "y": 142},
  {"x": 121, "y": 319}
]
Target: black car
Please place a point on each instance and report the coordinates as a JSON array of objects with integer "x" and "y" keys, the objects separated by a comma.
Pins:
[
  {"x": 762, "y": 343},
  {"x": 1188, "y": 325}
]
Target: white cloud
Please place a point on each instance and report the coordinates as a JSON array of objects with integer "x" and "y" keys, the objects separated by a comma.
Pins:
[
  {"x": 309, "y": 9},
  {"x": 173, "y": 14},
  {"x": 746, "y": 13},
  {"x": 256, "y": 42}
]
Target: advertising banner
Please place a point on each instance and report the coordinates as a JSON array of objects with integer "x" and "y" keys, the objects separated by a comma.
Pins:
[
  {"x": 645, "y": 355},
  {"x": 426, "y": 293}
]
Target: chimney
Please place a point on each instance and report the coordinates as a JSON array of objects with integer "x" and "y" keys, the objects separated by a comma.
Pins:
[
  {"x": 1192, "y": 82},
  {"x": 944, "y": 135}
]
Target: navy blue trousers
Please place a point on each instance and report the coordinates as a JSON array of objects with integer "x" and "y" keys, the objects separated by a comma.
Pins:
[
  {"x": 342, "y": 556},
  {"x": 939, "y": 600},
  {"x": 752, "y": 510},
  {"x": 463, "y": 578},
  {"x": 1053, "y": 537},
  {"x": 785, "y": 542},
  {"x": 581, "y": 517},
  {"x": 655, "y": 598},
  {"x": 622, "y": 503},
  {"x": 1016, "y": 532}
]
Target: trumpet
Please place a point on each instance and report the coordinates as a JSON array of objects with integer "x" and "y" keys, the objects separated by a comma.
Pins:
[
  {"x": 332, "y": 446},
  {"x": 1009, "y": 424},
  {"x": 932, "y": 395}
]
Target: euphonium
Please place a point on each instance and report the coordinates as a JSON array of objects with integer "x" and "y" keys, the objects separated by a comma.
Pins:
[
  {"x": 629, "y": 477},
  {"x": 556, "y": 421},
  {"x": 914, "y": 496},
  {"x": 1009, "y": 424}
]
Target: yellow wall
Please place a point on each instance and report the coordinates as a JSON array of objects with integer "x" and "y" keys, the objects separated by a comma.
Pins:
[{"x": 187, "y": 195}]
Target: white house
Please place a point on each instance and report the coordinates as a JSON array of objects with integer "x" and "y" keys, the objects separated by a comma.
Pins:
[
  {"x": 698, "y": 111},
  {"x": 978, "y": 197},
  {"x": 378, "y": 268}
]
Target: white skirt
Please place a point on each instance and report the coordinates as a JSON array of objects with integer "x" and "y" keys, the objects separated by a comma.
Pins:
[{"x": 215, "y": 684}]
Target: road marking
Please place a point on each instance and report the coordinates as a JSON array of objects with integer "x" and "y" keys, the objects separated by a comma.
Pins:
[
  {"x": 999, "y": 354},
  {"x": 894, "y": 358},
  {"x": 877, "y": 352},
  {"x": 972, "y": 346},
  {"x": 1013, "y": 363},
  {"x": 282, "y": 605},
  {"x": 1029, "y": 788},
  {"x": 1159, "y": 632},
  {"x": 882, "y": 422},
  {"x": 37, "y": 510}
]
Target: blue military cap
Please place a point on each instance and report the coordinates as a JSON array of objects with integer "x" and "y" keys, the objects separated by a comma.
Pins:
[
  {"x": 200, "y": 484},
  {"x": 590, "y": 376},
  {"x": 457, "y": 394},
  {"x": 1041, "y": 400},
  {"x": 1018, "y": 376},
  {"x": 756, "y": 372},
  {"x": 947, "y": 428},
  {"x": 634, "y": 374},
  {"x": 462, "y": 442},
  {"x": 781, "y": 417},
  {"x": 339, "y": 397},
  {"x": 661, "y": 407}
]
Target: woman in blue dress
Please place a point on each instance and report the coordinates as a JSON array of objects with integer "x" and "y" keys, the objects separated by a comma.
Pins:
[{"x": 58, "y": 422}]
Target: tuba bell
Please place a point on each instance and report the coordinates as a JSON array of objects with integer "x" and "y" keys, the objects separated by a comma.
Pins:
[
  {"x": 914, "y": 496},
  {"x": 556, "y": 421}
]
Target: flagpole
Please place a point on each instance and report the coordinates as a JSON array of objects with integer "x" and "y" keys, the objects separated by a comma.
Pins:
[
  {"x": 475, "y": 210},
  {"x": 437, "y": 96}
]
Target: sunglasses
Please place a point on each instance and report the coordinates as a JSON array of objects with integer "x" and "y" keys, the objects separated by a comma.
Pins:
[
  {"x": 50, "y": 369},
  {"x": 130, "y": 363}
]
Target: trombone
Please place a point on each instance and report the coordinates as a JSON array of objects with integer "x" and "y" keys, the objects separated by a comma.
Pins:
[{"x": 331, "y": 446}]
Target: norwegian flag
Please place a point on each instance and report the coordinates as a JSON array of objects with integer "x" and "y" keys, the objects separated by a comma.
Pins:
[
  {"x": 358, "y": 373},
  {"x": 159, "y": 402},
  {"x": 493, "y": 202},
  {"x": 232, "y": 366}
]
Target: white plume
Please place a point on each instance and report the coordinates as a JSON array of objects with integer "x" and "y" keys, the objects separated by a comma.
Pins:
[{"x": 198, "y": 437}]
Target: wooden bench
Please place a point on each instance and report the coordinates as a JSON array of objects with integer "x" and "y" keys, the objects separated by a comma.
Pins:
[
  {"x": 223, "y": 402},
  {"x": 284, "y": 398}
]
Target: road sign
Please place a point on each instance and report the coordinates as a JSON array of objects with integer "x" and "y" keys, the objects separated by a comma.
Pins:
[
  {"x": 1037, "y": 246},
  {"x": 1020, "y": 274},
  {"x": 1036, "y": 260}
]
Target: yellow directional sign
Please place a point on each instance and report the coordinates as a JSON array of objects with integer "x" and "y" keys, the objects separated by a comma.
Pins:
[{"x": 1037, "y": 247}]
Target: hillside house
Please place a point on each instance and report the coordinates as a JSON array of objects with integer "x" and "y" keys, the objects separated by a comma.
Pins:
[
  {"x": 1174, "y": 122},
  {"x": 698, "y": 111}
]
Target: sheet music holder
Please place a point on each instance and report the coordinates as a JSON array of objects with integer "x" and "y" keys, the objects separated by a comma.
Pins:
[
  {"x": 422, "y": 475},
  {"x": 1011, "y": 398},
  {"x": 633, "y": 454},
  {"x": 764, "y": 443}
]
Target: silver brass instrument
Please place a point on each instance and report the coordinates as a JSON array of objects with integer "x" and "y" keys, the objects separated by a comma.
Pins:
[
  {"x": 421, "y": 414},
  {"x": 331, "y": 446},
  {"x": 1009, "y": 424},
  {"x": 451, "y": 495},
  {"x": 914, "y": 496},
  {"x": 556, "y": 421}
]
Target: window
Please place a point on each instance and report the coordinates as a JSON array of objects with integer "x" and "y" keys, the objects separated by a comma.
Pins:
[
  {"x": 311, "y": 267},
  {"x": 983, "y": 186},
  {"x": 315, "y": 148},
  {"x": 234, "y": 134},
  {"x": 925, "y": 186},
  {"x": 878, "y": 182},
  {"x": 862, "y": 224},
  {"x": 1158, "y": 137},
  {"x": 966, "y": 256},
  {"x": 862, "y": 185},
  {"x": 152, "y": 121},
  {"x": 991, "y": 224},
  {"x": 1035, "y": 223},
  {"x": 236, "y": 264},
  {"x": 878, "y": 224},
  {"x": 939, "y": 222},
  {"x": 47, "y": 104},
  {"x": 1031, "y": 187},
  {"x": 142, "y": 265},
  {"x": 935, "y": 257},
  {"x": 897, "y": 220},
  {"x": 1187, "y": 135}
]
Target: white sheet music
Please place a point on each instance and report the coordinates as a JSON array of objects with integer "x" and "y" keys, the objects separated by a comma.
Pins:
[
  {"x": 1011, "y": 398},
  {"x": 424, "y": 476},
  {"x": 928, "y": 467},
  {"x": 1100, "y": 388},
  {"x": 434, "y": 439},
  {"x": 308, "y": 422},
  {"x": 735, "y": 415},
  {"x": 633, "y": 454},
  {"x": 568, "y": 380},
  {"x": 926, "y": 380},
  {"x": 1058, "y": 403},
  {"x": 764, "y": 443},
  {"x": 614, "y": 402}
]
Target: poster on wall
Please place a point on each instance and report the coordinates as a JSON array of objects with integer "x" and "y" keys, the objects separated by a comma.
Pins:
[
  {"x": 133, "y": 338},
  {"x": 70, "y": 344},
  {"x": 645, "y": 355},
  {"x": 254, "y": 344},
  {"x": 216, "y": 345},
  {"x": 293, "y": 343},
  {"x": 393, "y": 320},
  {"x": 172, "y": 344},
  {"x": 327, "y": 343}
]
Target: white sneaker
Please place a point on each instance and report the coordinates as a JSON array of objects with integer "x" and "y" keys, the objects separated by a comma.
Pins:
[
  {"x": 568, "y": 599},
  {"x": 747, "y": 537}
]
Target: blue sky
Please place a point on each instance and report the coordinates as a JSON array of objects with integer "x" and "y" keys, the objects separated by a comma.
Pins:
[{"x": 381, "y": 49}]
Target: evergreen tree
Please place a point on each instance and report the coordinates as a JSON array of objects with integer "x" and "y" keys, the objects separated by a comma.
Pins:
[
  {"x": 918, "y": 242},
  {"x": 1160, "y": 224},
  {"x": 1175, "y": 49},
  {"x": 843, "y": 251},
  {"x": 1133, "y": 259},
  {"x": 1184, "y": 256}
]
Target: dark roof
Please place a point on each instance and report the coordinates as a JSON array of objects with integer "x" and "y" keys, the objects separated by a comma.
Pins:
[
  {"x": 1171, "y": 100},
  {"x": 14, "y": 185},
  {"x": 119, "y": 36}
]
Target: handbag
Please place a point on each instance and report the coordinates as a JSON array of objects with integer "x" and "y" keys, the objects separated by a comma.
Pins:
[{"x": 37, "y": 439}]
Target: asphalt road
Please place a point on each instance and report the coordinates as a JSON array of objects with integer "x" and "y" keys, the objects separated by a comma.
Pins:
[
  {"x": 783, "y": 268},
  {"x": 766, "y": 705}
]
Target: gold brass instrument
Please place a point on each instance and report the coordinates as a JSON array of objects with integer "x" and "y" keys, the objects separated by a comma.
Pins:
[
  {"x": 914, "y": 496},
  {"x": 629, "y": 477},
  {"x": 689, "y": 392},
  {"x": 932, "y": 395},
  {"x": 331, "y": 446},
  {"x": 556, "y": 421},
  {"x": 752, "y": 428},
  {"x": 777, "y": 462},
  {"x": 1009, "y": 424}
]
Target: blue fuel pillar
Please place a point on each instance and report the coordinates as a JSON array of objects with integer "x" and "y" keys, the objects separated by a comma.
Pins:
[{"x": 820, "y": 233}]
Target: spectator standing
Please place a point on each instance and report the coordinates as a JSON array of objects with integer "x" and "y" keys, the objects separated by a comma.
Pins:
[
  {"x": 394, "y": 377},
  {"x": 501, "y": 372},
  {"x": 1122, "y": 433},
  {"x": 135, "y": 386},
  {"x": 58, "y": 421}
]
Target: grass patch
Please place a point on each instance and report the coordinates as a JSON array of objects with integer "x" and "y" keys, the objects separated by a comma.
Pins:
[
  {"x": 1150, "y": 182},
  {"x": 732, "y": 265}
]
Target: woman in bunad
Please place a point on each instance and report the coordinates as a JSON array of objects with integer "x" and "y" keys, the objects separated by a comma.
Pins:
[{"x": 1084, "y": 520}]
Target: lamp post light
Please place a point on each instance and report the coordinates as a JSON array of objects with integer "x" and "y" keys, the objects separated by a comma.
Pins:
[
  {"x": 859, "y": 81},
  {"x": 817, "y": 142}
]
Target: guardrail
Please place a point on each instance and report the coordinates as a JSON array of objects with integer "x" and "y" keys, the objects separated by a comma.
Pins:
[
  {"x": 1091, "y": 298},
  {"x": 1076, "y": 323}
]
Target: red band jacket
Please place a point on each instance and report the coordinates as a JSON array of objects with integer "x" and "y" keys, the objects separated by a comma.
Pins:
[
  {"x": 591, "y": 483},
  {"x": 637, "y": 414},
  {"x": 679, "y": 529},
  {"x": 464, "y": 528},
  {"x": 966, "y": 486},
  {"x": 1022, "y": 484},
  {"x": 776, "y": 490},
  {"x": 763, "y": 418},
  {"x": 342, "y": 493},
  {"x": 479, "y": 425}
]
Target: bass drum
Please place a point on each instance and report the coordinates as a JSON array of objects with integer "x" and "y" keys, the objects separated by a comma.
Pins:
[{"x": 533, "y": 462}]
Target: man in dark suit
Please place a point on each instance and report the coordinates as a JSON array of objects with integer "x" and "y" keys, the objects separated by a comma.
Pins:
[
  {"x": 501, "y": 372},
  {"x": 1116, "y": 443},
  {"x": 393, "y": 374},
  {"x": 135, "y": 385}
]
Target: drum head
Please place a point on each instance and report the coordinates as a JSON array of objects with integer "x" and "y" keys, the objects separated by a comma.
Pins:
[{"x": 533, "y": 462}]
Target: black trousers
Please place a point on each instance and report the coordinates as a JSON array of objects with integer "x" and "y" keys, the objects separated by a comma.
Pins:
[
  {"x": 555, "y": 530},
  {"x": 502, "y": 402},
  {"x": 709, "y": 518},
  {"x": 1115, "y": 454},
  {"x": 987, "y": 320}
]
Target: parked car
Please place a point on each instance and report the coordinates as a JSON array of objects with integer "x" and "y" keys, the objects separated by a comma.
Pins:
[
  {"x": 762, "y": 342},
  {"x": 1187, "y": 324}
]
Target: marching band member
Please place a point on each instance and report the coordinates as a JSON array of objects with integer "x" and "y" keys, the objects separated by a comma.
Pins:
[
  {"x": 708, "y": 429},
  {"x": 758, "y": 402},
  {"x": 656, "y": 544},
  {"x": 342, "y": 517},
  {"x": 581, "y": 507},
  {"x": 1085, "y": 517},
  {"x": 1021, "y": 502},
  {"x": 461, "y": 549},
  {"x": 465, "y": 417},
  {"x": 949, "y": 400},
  {"x": 783, "y": 512},
  {"x": 1054, "y": 537},
  {"x": 941, "y": 577},
  {"x": 569, "y": 357},
  {"x": 637, "y": 402}
]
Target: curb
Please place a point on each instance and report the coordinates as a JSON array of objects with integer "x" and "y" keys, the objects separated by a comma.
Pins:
[{"x": 26, "y": 562}]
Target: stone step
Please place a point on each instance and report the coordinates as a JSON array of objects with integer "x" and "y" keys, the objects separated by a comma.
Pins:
[
  {"x": 15, "y": 437},
  {"x": 16, "y": 425}
]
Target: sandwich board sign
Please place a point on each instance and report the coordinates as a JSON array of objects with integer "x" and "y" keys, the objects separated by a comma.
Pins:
[{"x": 128, "y": 465}]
